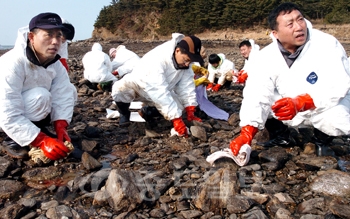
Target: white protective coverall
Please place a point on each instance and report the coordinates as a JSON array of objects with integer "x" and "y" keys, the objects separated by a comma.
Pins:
[
  {"x": 252, "y": 55},
  {"x": 29, "y": 92},
  {"x": 124, "y": 60},
  {"x": 97, "y": 65},
  {"x": 221, "y": 71},
  {"x": 320, "y": 71},
  {"x": 156, "y": 82}
]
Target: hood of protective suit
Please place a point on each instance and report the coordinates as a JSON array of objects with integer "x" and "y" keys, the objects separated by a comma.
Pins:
[
  {"x": 22, "y": 38},
  {"x": 96, "y": 47}
]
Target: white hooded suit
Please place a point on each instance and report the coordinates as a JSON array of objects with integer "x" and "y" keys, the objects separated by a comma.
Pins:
[
  {"x": 155, "y": 81},
  {"x": 30, "y": 92},
  {"x": 321, "y": 70},
  {"x": 97, "y": 65},
  {"x": 124, "y": 60}
]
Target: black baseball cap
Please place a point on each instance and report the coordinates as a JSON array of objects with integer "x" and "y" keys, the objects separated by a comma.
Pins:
[
  {"x": 192, "y": 45},
  {"x": 47, "y": 21}
]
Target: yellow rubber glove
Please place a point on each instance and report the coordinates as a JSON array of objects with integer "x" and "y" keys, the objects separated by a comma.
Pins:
[
  {"x": 199, "y": 70},
  {"x": 202, "y": 80}
]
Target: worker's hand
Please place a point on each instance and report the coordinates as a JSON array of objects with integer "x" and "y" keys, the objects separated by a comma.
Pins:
[
  {"x": 180, "y": 127},
  {"x": 286, "y": 108},
  {"x": 199, "y": 70},
  {"x": 51, "y": 147},
  {"x": 239, "y": 73},
  {"x": 190, "y": 114},
  {"x": 61, "y": 130},
  {"x": 209, "y": 87},
  {"x": 216, "y": 87},
  {"x": 201, "y": 80},
  {"x": 247, "y": 134},
  {"x": 242, "y": 78}
]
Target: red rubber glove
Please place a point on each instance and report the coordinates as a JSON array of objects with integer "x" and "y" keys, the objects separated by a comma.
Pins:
[
  {"x": 216, "y": 87},
  {"x": 240, "y": 72},
  {"x": 209, "y": 86},
  {"x": 180, "y": 127},
  {"x": 61, "y": 130},
  {"x": 115, "y": 73},
  {"x": 190, "y": 114},
  {"x": 247, "y": 134},
  {"x": 286, "y": 108},
  {"x": 64, "y": 63},
  {"x": 52, "y": 147},
  {"x": 242, "y": 78}
]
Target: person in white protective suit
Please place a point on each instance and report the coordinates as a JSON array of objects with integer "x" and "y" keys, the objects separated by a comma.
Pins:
[
  {"x": 301, "y": 78},
  {"x": 248, "y": 50},
  {"x": 98, "y": 68},
  {"x": 221, "y": 68},
  {"x": 123, "y": 60},
  {"x": 35, "y": 90},
  {"x": 163, "y": 80}
]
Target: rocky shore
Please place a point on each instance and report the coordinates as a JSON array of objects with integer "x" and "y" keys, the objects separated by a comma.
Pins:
[{"x": 143, "y": 172}]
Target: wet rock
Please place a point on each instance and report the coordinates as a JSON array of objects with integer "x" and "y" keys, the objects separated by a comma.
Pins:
[
  {"x": 5, "y": 166},
  {"x": 58, "y": 212},
  {"x": 157, "y": 213},
  {"x": 88, "y": 145},
  {"x": 125, "y": 190},
  {"x": 254, "y": 213},
  {"x": 317, "y": 163},
  {"x": 10, "y": 189},
  {"x": 341, "y": 208},
  {"x": 257, "y": 197},
  {"x": 47, "y": 205},
  {"x": 332, "y": 182},
  {"x": 199, "y": 132},
  {"x": 13, "y": 211},
  {"x": 239, "y": 204},
  {"x": 191, "y": 214},
  {"x": 217, "y": 190},
  {"x": 180, "y": 164},
  {"x": 89, "y": 162},
  {"x": 277, "y": 157},
  {"x": 312, "y": 206},
  {"x": 283, "y": 214}
]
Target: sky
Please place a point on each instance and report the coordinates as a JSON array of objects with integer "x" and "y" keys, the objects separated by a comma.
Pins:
[{"x": 82, "y": 14}]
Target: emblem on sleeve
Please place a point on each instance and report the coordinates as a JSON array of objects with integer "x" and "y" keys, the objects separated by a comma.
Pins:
[{"x": 312, "y": 78}]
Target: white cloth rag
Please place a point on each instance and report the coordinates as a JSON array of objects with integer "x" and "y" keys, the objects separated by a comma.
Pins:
[
  {"x": 173, "y": 132},
  {"x": 241, "y": 159}
]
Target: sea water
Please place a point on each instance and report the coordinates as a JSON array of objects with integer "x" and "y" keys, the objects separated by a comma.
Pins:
[{"x": 5, "y": 47}]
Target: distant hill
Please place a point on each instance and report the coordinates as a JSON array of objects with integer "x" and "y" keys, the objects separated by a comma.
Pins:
[{"x": 153, "y": 19}]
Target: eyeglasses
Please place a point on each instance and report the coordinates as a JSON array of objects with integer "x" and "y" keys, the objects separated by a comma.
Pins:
[{"x": 186, "y": 61}]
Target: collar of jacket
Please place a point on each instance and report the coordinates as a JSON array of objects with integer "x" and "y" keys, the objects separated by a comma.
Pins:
[
  {"x": 32, "y": 58},
  {"x": 177, "y": 67}
]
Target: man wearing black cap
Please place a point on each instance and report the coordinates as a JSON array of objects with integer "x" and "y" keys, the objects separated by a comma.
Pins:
[
  {"x": 163, "y": 80},
  {"x": 35, "y": 90}
]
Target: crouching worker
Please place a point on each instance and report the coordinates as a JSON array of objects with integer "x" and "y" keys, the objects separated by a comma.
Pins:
[
  {"x": 162, "y": 79},
  {"x": 98, "y": 68},
  {"x": 291, "y": 85},
  {"x": 35, "y": 90}
]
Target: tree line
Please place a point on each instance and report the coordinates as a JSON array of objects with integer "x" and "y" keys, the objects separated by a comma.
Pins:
[{"x": 195, "y": 16}]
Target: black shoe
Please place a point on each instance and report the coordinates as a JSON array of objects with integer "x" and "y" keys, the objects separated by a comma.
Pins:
[
  {"x": 123, "y": 109},
  {"x": 322, "y": 143},
  {"x": 148, "y": 113},
  {"x": 322, "y": 150},
  {"x": 14, "y": 150}
]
